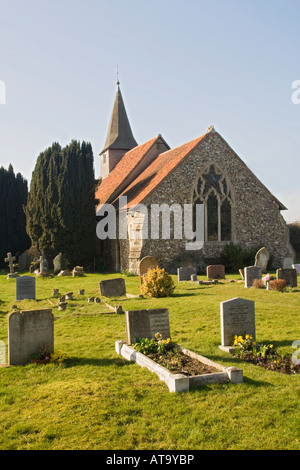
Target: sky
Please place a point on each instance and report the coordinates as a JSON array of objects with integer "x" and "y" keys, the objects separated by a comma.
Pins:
[{"x": 184, "y": 65}]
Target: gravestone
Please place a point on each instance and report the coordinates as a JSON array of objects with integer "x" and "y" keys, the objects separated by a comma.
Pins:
[
  {"x": 287, "y": 263},
  {"x": 28, "y": 332},
  {"x": 113, "y": 287},
  {"x": 262, "y": 258},
  {"x": 216, "y": 271},
  {"x": 25, "y": 288},
  {"x": 185, "y": 273},
  {"x": 10, "y": 260},
  {"x": 289, "y": 275},
  {"x": 146, "y": 323},
  {"x": 59, "y": 263},
  {"x": 297, "y": 267},
  {"x": 43, "y": 270},
  {"x": 194, "y": 277},
  {"x": 78, "y": 271},
  {"x": 24, "y": 262},
  {"x": 251, "y": 273},
  {"x": 237, "y": 318},
  {"x": 64, "y": 273},
  {"x": 149, "y": 262}
]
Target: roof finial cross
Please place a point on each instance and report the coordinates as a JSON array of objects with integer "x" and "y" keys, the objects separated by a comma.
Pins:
[{"x": 118, "y": 82}]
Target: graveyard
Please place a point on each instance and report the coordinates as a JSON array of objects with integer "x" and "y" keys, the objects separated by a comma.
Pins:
[{"x": 99, "y": 399}]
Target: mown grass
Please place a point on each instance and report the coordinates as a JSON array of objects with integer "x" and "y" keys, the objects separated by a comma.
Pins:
[{"x": 98, "y": 401}]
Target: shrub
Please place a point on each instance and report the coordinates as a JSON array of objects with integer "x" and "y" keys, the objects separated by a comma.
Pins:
[
  {"x": 258, "y": 283},
  {"x": 278, "y": 284},
  {"x": 235, "y": 257},
  {"x": 157, "y": 283}
]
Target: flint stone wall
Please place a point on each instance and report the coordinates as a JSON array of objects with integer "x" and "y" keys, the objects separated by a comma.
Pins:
[{"x": 256, "y": 218}]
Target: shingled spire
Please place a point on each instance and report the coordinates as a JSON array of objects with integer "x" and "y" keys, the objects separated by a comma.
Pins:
[{"x": 119, "y": 138}]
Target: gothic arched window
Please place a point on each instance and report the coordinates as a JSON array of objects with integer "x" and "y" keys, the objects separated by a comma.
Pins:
[{"x": 212, "y": 189}]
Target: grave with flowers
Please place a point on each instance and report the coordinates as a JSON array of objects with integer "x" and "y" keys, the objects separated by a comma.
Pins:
[{"x": 149, "y": 345}]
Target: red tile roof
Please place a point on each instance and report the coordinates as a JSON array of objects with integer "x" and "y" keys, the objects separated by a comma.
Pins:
[
  {"x": 121, "y": 171},
  {"x": 156, "y": 172}
]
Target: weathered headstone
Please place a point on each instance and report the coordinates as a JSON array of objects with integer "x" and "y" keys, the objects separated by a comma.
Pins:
[
  {"x": 113, "y": 287},
  {"x": 24, "y": 262},
  {"x": 185, "y": 273},
  {"x": 25, "y": 288},
  {"x": 216, "y": 271},
  {"x": 297, "y": 267},
  {"x": 237, "y": 318},
  {"x": 251, "y": 273},
  {"x": 28, "y": 332},
  {"x": 59, "y": 263},
  {"x": 287, "y": 263},
  {"x": 10, "y": 260},
  {"x": 43, "y": 270},
  {"x": 62, "y": 305},
  {"x": 262, "y": 258},
  {"x": 194, "y": 277},
  {"x": 146, "y": 263},
  {"x": 289, "y": 275},
  {"x": 78, "y": 271},
  {"x": 146, "y": 323}
]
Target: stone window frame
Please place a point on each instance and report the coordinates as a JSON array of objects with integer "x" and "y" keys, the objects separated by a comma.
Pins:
[{"x": 227, "y": 193}]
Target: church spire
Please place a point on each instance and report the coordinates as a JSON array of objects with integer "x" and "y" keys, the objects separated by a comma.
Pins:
[{"x": 119, "y": 136}]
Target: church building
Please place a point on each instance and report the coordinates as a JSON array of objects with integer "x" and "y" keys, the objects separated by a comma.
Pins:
[{"x": 205, "y": 172}]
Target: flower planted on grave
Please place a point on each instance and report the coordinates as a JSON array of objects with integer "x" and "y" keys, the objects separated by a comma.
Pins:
[
  {"x": 264, "y": 355},
  {"x": 45, "y": 357},
  {"x": 244, "y": 346}
]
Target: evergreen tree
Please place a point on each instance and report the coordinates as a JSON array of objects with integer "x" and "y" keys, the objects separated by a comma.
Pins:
[
  {"x": 61, "y": 205},
  {"x": 13, "y": 197}
]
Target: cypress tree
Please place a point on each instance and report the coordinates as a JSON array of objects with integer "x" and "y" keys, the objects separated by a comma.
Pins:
[
  {"x": 13, "y": 197},
  {"x": 61, "y": 210}
]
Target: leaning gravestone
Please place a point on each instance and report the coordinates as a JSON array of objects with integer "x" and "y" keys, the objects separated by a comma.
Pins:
[
  {"x": 251, "y": 273},
  {"x": 237, "y": 318},
  {"x": 262, "y": 258},
  {"x": 113, "y": 287},
  {"x": 216, "y": 271},
  {"x": 146, "y": 323},
  {"x": 149, "y": 262},
  {"x": 289, "y": 275},
  {"x": 28, "y": 332},
  {"x": 185, "y": 273},
  {"x": 25, "y": 288}
]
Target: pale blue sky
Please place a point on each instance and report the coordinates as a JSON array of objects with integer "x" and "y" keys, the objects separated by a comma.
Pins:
[{"x": 183, "y": 65}]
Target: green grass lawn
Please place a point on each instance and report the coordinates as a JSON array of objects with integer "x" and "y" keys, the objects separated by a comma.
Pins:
[{"x": 98, "y": 401}]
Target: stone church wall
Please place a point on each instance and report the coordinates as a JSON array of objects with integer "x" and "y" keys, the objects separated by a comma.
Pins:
[{"x": 256, "y": 219}]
